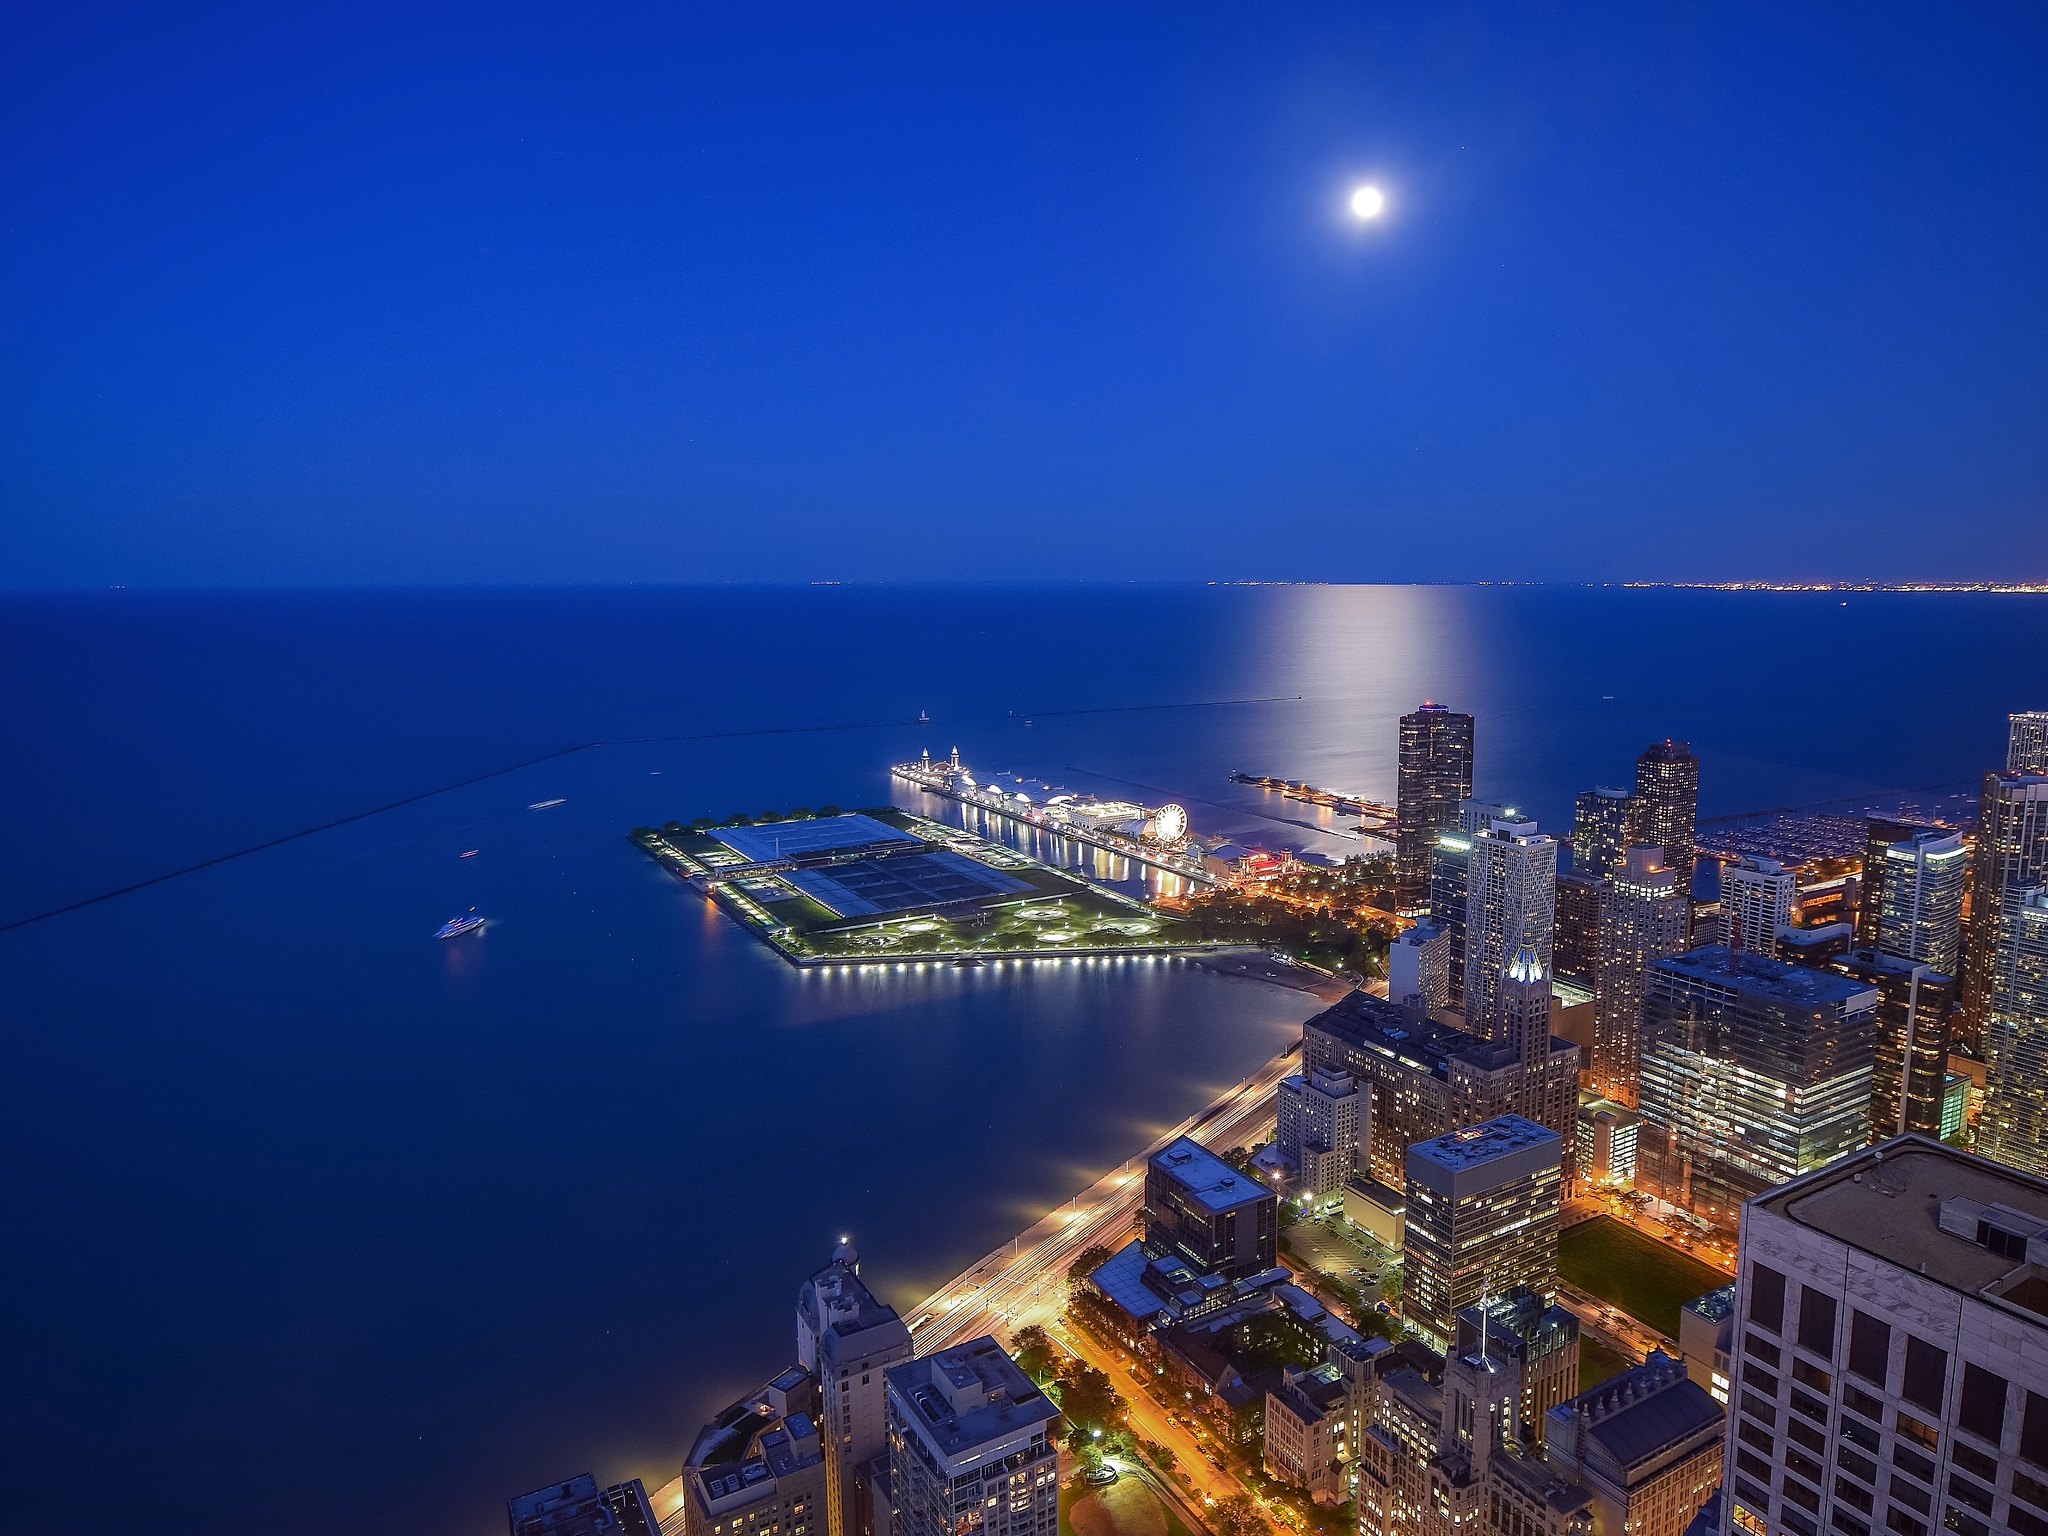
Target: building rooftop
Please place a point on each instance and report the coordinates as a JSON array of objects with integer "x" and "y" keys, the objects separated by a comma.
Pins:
[
  {"x": 1640, "y": 1414},
  {"x": 969, "y": 1396},
  {"x": 1205, "y": 1176},
  {"x": 1717, "y": 1306},
  {"x": 842, "y": 1297},
  {"x": 814, "y": 836},
  {"x": 577, "y": 1507},
  {"x": 1742, "y": 970},
  {"x": 1381, "y": 1028},
  {"x": 1889, "y": 1202},
  {"x": 1477, "y": 1145}
]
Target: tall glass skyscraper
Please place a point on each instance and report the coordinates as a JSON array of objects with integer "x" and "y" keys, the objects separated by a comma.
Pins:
[
  {"x": 1668, "y": 805},
  {"x": 1754, "y": 1072},
  {"x": 2026, "y": 742},
  {"x": 1510, "y": 904},
  {"x": 2012, "y": 856},
  {"x": 1600, "y": 828},
  {"x": 1642, "y": 918},
  {"x": 1435, "y": 776},
  {"x": 2014, "y": 1128},
  {"x": 1919, "y": 906}
]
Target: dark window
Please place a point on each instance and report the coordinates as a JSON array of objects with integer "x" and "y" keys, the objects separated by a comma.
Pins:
[
  {"x": 2034, "y": 1430},
  {"x": 1812, "y": 1375},
  {"x": 2025, "y": 1521},
  {"x": 1856, "y": 1432},
  {"x": 1905, "y": 1456},
  {"x": 1981, "y": 1408},
  {"x": 1847, "y": 1523},
  {"x": 1970, "y": 1459},
  {"x": 1926, "y": 1373},
  {"x": 1857, "y": 1466},
  {"x": 1870, "y": 1345},
  {"x": 1766, "y": 1297},
  {"x": 1916, "y": 1498},
  {"x": 1757, "y": 1408},
  {"x": 1962, "y": 1488},
  {"x": 1804, "y": 1465},
  {"x": 1755, "y": 1438},
  {"x": 1756, "y": 1347},
  {"x": 1812, "y": 1407},
  {"x": 1752, "y": 1463},
  {"x": 1754, "y": 1375},
  {"x": 1904, "y": 1523},
  {"x": 1795, "y": 1521},
  {"x": 2025, "y": 1487},
  {"x": 1962, "y": 1524},
  {"x": 1816, "y": 1321},
  {"x": 1850, "y": 1493},
  {"x": 1807, "y": 1436},
  {"x": 1801, "y": 1495},
  {"x": 1856, "y": 1400},
  {"x": 1752, "y": 1495}
]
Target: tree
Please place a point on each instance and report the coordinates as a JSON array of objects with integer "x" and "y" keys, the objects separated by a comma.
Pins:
[
  {"x": 1088, "y": 1401},
  {"x": 1092, "y": 1258},
  {"x": 1033, "y": 1351},
  {"x": 830, "y": 810},
  {"x": 1237, "y": 1515}
]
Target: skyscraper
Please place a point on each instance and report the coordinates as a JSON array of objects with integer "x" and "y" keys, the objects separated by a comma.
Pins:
[
  {"x": 578, "y": 1507},
  {"x": 1510, "y": 902},
  {"x": 1576, "y": 947},
  {"x": 1753, "y": 1072},
  {"x": 1483, "y": 1215},
  {"x": 1600, "y": 831},
  {"x": 1419, "y": 968},
  {"x": 2012, "y": 856},
  {"x": 1914, "y": 877},
  {"x": 1316, "y": 1114},
  {"x": 2014, "y": 1127},
  {"x": 1642, "y": 918},
  {"x": 1756, "y": 904},
  {"x": 847, "y": 1339},
  {"x": 1889, "y": 1358},
  {"x": 1435, "y": 774},
  {"x": 758, "y": 1469},
  {"x": 1214, "y": 1217},
  {"x": 973, "y": 1446},
  {"x": 2026, "y": 742},
  {"x": 1911, "y": 1065},
  {"x": 1668, "y": 805}
]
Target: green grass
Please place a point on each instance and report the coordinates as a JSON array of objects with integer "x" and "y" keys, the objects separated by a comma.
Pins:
[
  {"x": 1598, "y": 1363},
  {"x": 1645, "y": 1278}
]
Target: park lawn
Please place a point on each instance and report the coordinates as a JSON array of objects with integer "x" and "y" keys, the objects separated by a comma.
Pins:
[
  {"x": 1598, "y": 1363},
  {"x": 1638, "y": 1274}
]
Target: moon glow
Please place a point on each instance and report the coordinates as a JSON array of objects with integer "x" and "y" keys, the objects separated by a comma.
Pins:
[{"x": 1367, "y": 202}]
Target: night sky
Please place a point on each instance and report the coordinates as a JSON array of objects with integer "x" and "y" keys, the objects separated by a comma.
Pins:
[{"x": 538, "y": 293}]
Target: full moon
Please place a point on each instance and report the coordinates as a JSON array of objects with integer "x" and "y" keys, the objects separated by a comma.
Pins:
[{"x": 1367, "y": 202}]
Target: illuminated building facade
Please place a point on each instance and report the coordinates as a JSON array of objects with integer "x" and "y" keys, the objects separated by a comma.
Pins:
[
  {"x": 973, "y": 1446},
  {"x": 1888, "y": 1359},
  {"x": 1434, "y": 776},
  {"x": 2011, "y": 857},
  {"x": 1510, "y": 905},
  {"x": 1911, "y": 1064},
  {"x": 758, "y": 1469},
  {"x": 1316, "y": 1114},
  {"x": 1212, "y": 1216},
  {"x": 578, "y": 1507},
  {"x": 1756, "y": 904},
  {"x": 1576, "y": 948},
  {"x": 2014, "y": 1125},
  {"x": 1483, "y": 1213},
  {"x": 1419, "y": 968},
  {"x": 1753, "y": 1072},
  {"x": 1917, "y": 909},
  {"x": 847, "y": 1339},
  {"x": 1608, "y": 1134},
  {"x": 1601, "y": 819},
  {"x": 1642, "y": 918},
  {"x": 1955, "y": 1108},
  {"x": 2026, "y": 741},
  {"x": 1668, "y": 805}
]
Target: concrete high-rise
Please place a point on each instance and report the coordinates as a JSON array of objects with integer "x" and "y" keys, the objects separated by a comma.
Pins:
[
  {"x": 1756, "y": 904},
  {"x": 1913, "y": 903},
  {"x": 2026, "y": 741},
  {"x": 1668, "y": 805},
  {"x": 973, "y": 1446},
  {"x": 1483, "y": 1213},
  {"x": 1450, "y": 868},
  {"x": 2014, "y": 1125},
  {"x": 1419, "y": 968},
  {"x": 1213, "y": 1217},
  {"x": 847, "y": 1338},
  {"x": 1753, "y": 1072},
  {"x": 1575, "y": 949},
  {"x": 2011, "y": 857},
  {"x": 1892, "y": 1350},
  {"x": 1510, "y": 904},
  {"x": 1435, "y": 775},
  {"x": 1911, "y": 1065},
  {"x": 1642, "y": 919},
  {"x": 1600, "y": 831},
  {"x": 758, "y": 1469},
  {"x": 578, "y": 1507},
  {"x": 1316, "y": 1114}
]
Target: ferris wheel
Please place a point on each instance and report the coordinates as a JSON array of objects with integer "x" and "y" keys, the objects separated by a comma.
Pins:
[{"x": 1170, "y": 824}]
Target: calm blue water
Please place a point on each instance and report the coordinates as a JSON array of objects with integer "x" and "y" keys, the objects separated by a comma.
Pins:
[{"x": 316, "y": 1224}]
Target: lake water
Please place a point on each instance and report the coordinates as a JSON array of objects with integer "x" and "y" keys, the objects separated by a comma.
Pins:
[{"x": 316, "y": 1224}]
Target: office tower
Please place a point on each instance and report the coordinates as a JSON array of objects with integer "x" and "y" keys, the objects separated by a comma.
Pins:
[
  {"x": 2011, "y": 856},
  {"x": 1600, "y": 831},
  {"x": 1419, "y": 969},
  {"x": 1510, "y": 902},
  {"x": 578, "y": 1507},
  {"x": 1756, "y": 904},
  {"x": 1706, "y": 1338},
  {"x": 1647, "y": 1445},
  {"x": 1523, "y": 1007},
  {"x": 1668, "y": 805},
  {"x": 1642, "y": 918},
  {"x": 2014, "y": 1126},
  {"x": 2026, "y": 742},
  {"x": 847, "y": 1339},
  {"x": 1911, "y": 1064},
  {"x": 758, "y": 1469},
  {"x": 1435, "y": 774},
  {"x": 1450, "y": 862},
  {"x": 1317, "y": 1114},
  {"x": 1608, "y": 1134},
  {"x": 1889, "y": 1362},
  {"x": 973, "y": 1446},
  {"x": 1753, "y": 1072},
  {"x": 1203, "y": 1211},
  {"x": 1534, "y": 1339},
  {"x": 1576, "y": 946},
  {"x": 1483, "y": 1211},
  {"x": 1912, "y": 903},
  {"x": 1419, "y": 1078}
]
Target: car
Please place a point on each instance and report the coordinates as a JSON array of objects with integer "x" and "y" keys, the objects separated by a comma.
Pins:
[{"x": 1383, "y": 1307}]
